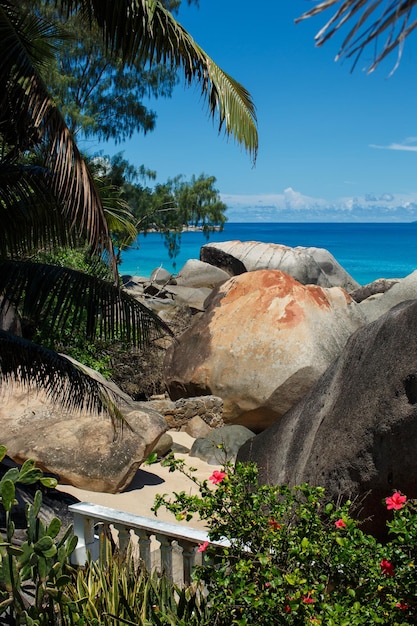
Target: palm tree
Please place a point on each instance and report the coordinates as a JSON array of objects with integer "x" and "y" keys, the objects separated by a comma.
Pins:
[
  {"x": 58, "y": 203},
  {"x": 373, "y": 20}
]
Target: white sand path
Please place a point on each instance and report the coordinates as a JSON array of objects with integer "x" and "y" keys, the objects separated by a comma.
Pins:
[{"x": 149, "y": 481}]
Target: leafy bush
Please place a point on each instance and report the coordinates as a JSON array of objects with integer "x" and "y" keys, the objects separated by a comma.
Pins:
[
  {"x": 295, "y": 558},
  {"x": 39, "y": 587},
  {"x": 34, "y": 575},
  {"x": 118, "y": 591}
]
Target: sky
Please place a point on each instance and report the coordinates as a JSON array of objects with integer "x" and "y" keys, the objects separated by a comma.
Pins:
[{"x": 333, "y": 144}]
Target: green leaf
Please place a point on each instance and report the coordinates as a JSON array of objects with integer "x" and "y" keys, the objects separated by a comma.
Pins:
[
  {"x": 3, "y": 451},
  {"x": 7, "y": 494},
  {"x": 43, "y": 545},
  {"x": 152, "y": 458},
  {"x": 31, "y": 476},
  {"x": 54, "y": 527},
  {"x": 49, "y": 482}
]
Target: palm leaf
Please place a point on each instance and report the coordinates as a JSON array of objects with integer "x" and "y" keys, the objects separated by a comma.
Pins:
[
  {"x": 58, "y": 298},
  {"x": 28, "y": 117},
  {"x": 25, "y": 363},
  {"x": 144, "y": 30},
  {"x": 29, "y": 214},
  {"x": 371, "y": 20}
]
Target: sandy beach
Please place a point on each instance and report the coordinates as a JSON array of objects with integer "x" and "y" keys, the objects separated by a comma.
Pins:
[{"x": 149, "y": 481}]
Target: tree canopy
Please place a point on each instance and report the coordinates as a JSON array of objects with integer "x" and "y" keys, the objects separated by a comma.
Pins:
[{"x": 48, "y": 195}]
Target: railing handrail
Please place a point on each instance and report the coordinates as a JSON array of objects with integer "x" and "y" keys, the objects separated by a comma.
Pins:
[
  {"x": 106, "y": 514},
  {"x": 87, "y": 516}
]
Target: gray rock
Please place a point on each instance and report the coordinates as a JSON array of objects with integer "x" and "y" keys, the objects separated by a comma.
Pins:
[
  {"x": 223, "y": 260},
  {"x": 255, "y": 255},
  {"x": 197, "y": 427},
  {"x": 221, "y": 445},
  {"x": 82, "y": 448},
  {"x": 189, "y": 296},
  {"x": 197, "y": 274},
  {"x": 381, "y": 285},
  {"x": 180, "y": 413},
  {"x": 160, "y": 276},
  {"x": 378, "y": 304},
  {"x": 337, "y": 275},
  {"x": 355, "y": 433},
  {"x": 163, "y": 445}
]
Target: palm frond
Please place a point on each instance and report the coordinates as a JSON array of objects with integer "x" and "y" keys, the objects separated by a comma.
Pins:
[
  {"x": 34, "y": 367},
  {"x": 29, "y": 214},
  {"x": 57, "y": 298},
  {"x": 146, "y": 31},
  {"x": 28, "y": 117},
  {"x": 372, "y": 19}
]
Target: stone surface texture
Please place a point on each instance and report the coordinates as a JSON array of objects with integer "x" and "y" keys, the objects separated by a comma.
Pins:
[
  {"x": 222, "y": 445},
  {"x": 195, "y": 273},
  {"x": 262, "y": 343},
  {"x": 378, "y": 304},
  {"x": 179, "y": 413},
  {"x": 307, "y": 265},
  {"x": 81, "y": 449},
  {"x": 356, "y": 431}
]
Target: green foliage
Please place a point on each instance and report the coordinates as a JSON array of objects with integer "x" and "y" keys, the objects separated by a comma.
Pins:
[
  {"x": 97, "y": 93},
  {"x": 38, "y": 586},
  {"x": 33, "y": 575},
  {"x": 295, "y": 558},
  {"x": 119, "y": 592},
  {"x": 167, "y": 208}
]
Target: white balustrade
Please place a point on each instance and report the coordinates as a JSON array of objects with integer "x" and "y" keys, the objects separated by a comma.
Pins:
[{"x": 178, "y": 544}]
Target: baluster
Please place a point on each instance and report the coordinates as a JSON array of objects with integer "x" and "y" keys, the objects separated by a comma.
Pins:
[
  {"x": 124, "y": 538},
  {"x": 188, "y": 558},
  {"x": 144, "y": 548},
  {"x": 166, "y": 554},
  {"x": 84, "y": 530}
]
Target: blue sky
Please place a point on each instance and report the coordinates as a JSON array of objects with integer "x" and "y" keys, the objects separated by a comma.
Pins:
[{"x": 327, "y": 137}]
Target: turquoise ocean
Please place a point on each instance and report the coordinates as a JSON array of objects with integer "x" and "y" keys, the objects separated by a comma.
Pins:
[{"x": 366, "y": 251}]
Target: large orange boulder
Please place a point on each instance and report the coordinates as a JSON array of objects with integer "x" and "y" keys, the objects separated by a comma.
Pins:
[{"x": 261, "y": 344}]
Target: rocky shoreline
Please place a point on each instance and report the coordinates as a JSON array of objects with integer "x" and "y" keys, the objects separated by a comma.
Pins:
[{"x": 278, "y": 342}]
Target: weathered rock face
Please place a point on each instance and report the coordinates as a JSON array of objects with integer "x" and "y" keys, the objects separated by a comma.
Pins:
[
  {"x": 315, "y": 266},
  {"x": 379, "y": 286},
  {"x": 379, "y": 303},
  {"x": 356, "y": 431},
  {"x": 337, "y": 275},
  {"x": 197, "y": 274},
  {"x": 81, "y": 449},
  {"x": 178, "y": 414},
  {"x": 262, "y": 343},
  {"x": 222, "y": 445}
]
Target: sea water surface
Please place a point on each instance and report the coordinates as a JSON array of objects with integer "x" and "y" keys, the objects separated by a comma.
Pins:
[{"x": 366, "y": 251}]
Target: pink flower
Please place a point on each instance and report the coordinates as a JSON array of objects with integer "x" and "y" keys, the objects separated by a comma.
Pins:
[
  {"x": 274, "y": 525},
  {"x": 217, "y": 477},
  {"x": 387, "y": 567},
  {"x": 287, "y": 608},
  {"x": 203, "y": 547},
  {"x": 396, "y": 501},
  {"x": 340, "y": 523},
  {"x": 402, "y": 605}
]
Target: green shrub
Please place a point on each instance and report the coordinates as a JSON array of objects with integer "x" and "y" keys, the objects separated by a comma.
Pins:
[
  {"x": 39, "y": 587},
  {"x": 33, "y": 575},
  {"x": 296, "y": 558},
  {"x": 118, "y": 591}
]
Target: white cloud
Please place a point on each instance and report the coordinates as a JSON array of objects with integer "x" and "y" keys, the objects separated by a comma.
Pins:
[
  {"x": 408, "y": 145},
  {"x": 292, "y": 205}
]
